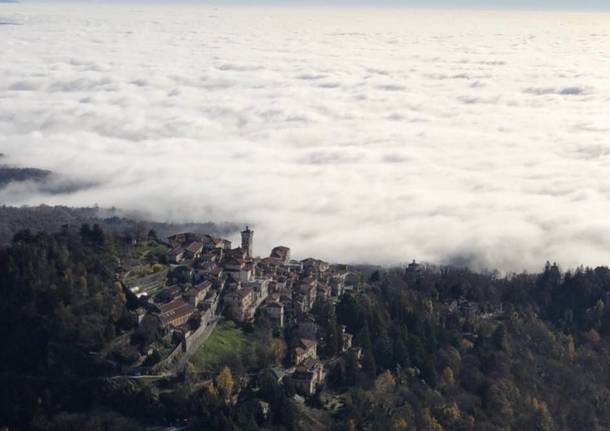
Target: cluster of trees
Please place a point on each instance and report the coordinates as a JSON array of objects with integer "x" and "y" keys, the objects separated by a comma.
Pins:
[
  {"x": 57, "y": 291},
  {"x": 518, "y": 370},
  {"x": 60, "y": 305},
  {"x": 219, "y": 407}
]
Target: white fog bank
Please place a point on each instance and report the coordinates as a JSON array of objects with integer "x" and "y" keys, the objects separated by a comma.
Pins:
[{"x": 356, "y": 135}]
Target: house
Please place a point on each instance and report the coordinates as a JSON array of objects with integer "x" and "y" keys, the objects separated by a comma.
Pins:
[
  {"x": 181, "y": 273},
  {"x": 261, "y": 287},
  {"x": 177, "y": 239},
  {"x": 275, "y": 312},
  {"x": 237, "y": 269},
  {"x": 193, "y": 250},
  {"x": 281, "y": 253},
  {"x": 211, "y": 302},
  {"x": 337, "y": 285},
  {"x": 311, "y": 265},
  {"x": 466, "y": 309},
  {"x": 197, "y": 293},
  {"x": 306, "y": 294},
  {"x": 323, "y": 290},
  {"x": 241, "y": 303},
  {"x": 210, "y": 243},
  {"x": 175, "y": 255},
  {"x": 216, "y": 271},
  {"x": 308, "y": 376},
  {"x": 279, "y": 284},
  {"x": 304, "y": 349},
  {"x": 175, "y": 313},
  {"x": 237, "y": 253},
  {"x": 294, "y": 266},
  {"x": 307, "y": 328},
  {"x": 169, "y": 293},
  {"x": 247, "y": 272}
]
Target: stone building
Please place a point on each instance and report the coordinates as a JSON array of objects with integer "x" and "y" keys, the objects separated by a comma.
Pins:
[
  {"x": 304, "y": 349},
  {"x": 247, "y": 236},
  {"x": 308, "y": 376}
]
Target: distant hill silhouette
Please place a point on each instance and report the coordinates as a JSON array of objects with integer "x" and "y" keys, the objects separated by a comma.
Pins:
[{"x": 53, "y": 218}]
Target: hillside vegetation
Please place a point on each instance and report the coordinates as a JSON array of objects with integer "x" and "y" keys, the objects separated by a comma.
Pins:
[{"x": 441, "y": 348}]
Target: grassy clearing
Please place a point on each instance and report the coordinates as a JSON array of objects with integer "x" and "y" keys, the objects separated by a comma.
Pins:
[
  {"x": 144, "y": 248},
  {"x": 226, "y": 339}
]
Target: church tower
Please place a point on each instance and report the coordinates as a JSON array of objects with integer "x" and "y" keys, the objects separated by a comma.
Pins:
[{"x": 246, "y": 240}]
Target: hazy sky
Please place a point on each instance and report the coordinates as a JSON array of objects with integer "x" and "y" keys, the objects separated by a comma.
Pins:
[{"x": 485, "y": 4}]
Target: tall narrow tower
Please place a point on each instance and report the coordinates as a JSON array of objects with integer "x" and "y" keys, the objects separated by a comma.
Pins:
[{"x": 246, "y": 240}]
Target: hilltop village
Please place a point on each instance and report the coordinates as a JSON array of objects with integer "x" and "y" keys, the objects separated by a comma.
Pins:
[{"x": 207, "y": 279}]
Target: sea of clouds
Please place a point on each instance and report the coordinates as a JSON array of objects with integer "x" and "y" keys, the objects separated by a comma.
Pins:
[{"x": 355, "y": 135}]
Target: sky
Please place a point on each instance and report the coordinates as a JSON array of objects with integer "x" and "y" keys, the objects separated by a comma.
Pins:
[
  {"x": 469, "y": 137},
  {"x": 586, "y": 5}
]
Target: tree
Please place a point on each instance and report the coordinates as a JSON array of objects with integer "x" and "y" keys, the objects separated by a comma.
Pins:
[
  {"x": 570, "y": 349},
  {"x": 152, "y": 235},
  {"x": 429, "y": 422},
  {"x": 450, "y": 415},
  {"x": 429, "y": 371},
  {"x": 97, "y": 235},
  {"x": 225, "y": 382},
  {"x": 375, "y": 277},
  {"x": 593, "y": 337},
  {"x": 85, "y": 232},
  {"x": 541, "y": 418},
  {"x": 499, "y": 338},
  {"x": 448, "y": 377}
]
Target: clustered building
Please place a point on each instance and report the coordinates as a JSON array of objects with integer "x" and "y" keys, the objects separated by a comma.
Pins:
[{"x": 207, "y": 275}]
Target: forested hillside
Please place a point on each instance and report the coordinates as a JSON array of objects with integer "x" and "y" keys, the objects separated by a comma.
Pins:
[
  {"x": 539, "y": 364},
  {"x": 52, "y": 218},
  {"x": 436, "y": 348}
]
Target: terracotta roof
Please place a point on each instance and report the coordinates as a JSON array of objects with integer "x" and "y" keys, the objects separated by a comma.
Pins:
[
  {"x": 174, "y": 303},
  {"x": 203, "y": 286},
  {"x": 194, "y": 246},
  {"x": 173, "y": 310},
  {"x": 176, "y": 251}
]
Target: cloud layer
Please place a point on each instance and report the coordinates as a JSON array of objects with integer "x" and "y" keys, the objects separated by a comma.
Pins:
[{"x": 479, "y": 138}]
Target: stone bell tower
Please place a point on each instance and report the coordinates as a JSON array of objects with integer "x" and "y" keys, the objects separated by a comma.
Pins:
[{"x": 246, "y": 240}]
